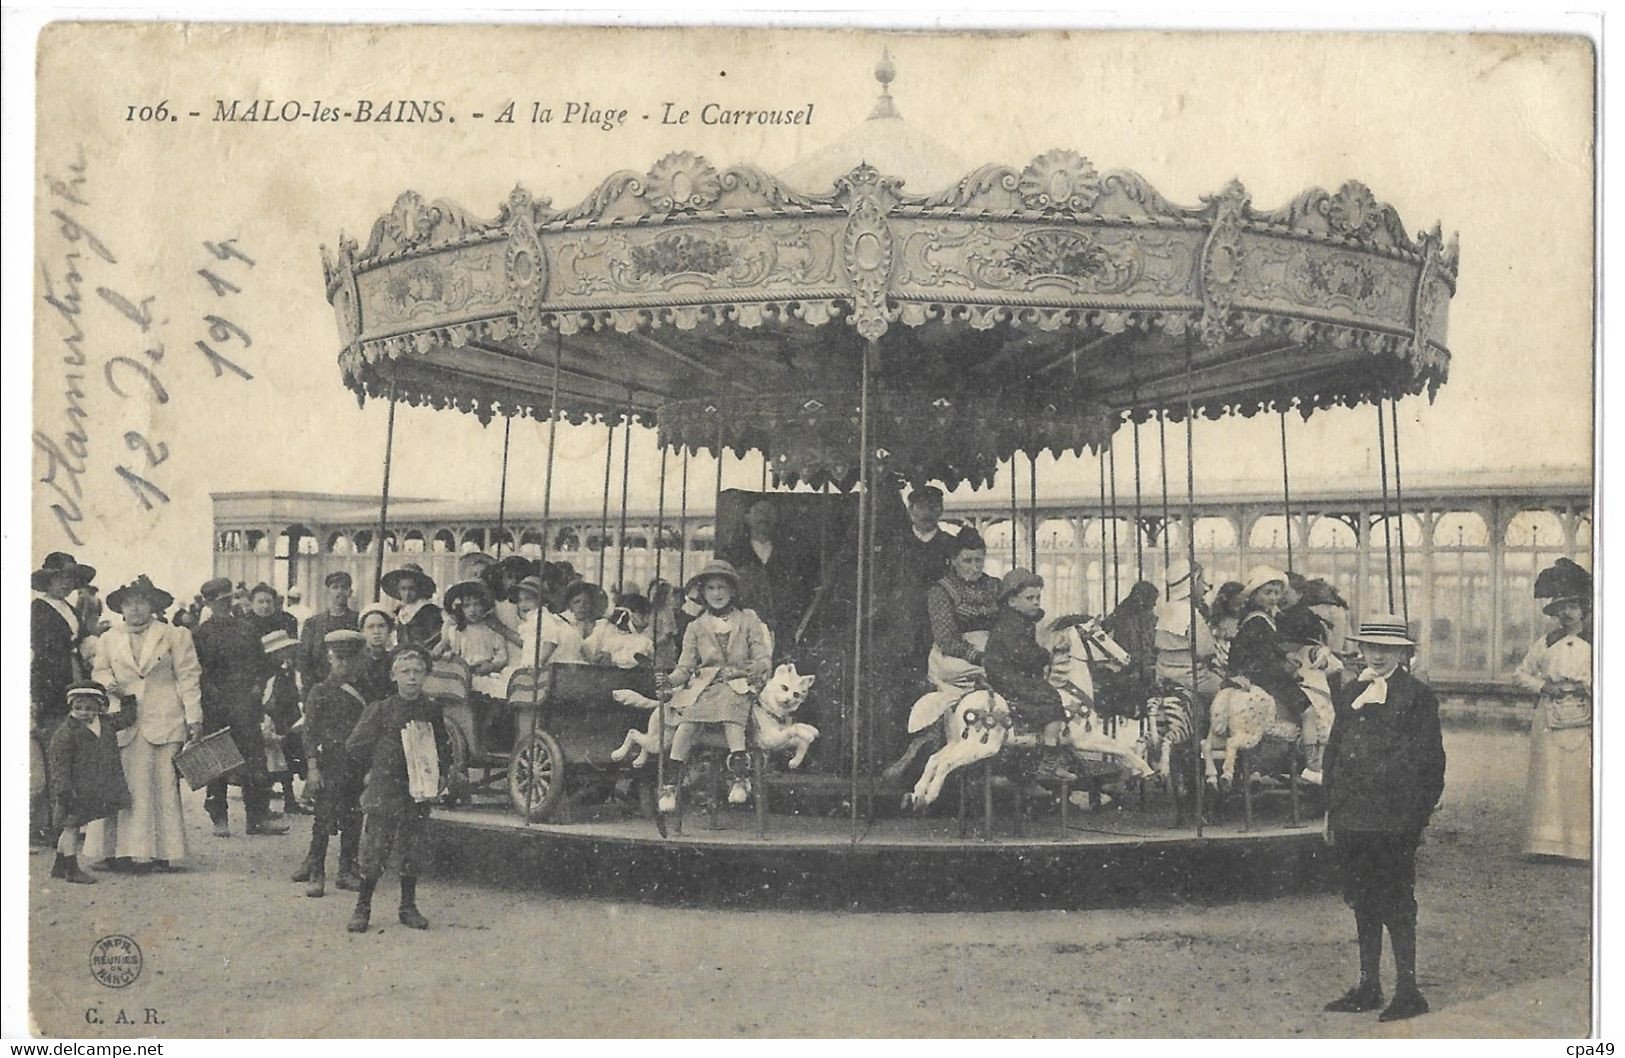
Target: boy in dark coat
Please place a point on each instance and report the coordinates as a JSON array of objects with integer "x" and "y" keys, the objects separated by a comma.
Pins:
[
  {"x": 87, "y": 780},
  {"x": 402, "y": 742},
  {"x": 1016, "y": 665},
  {"x": 1384, "y": 773},
  {"x": 332, "y": 710}
]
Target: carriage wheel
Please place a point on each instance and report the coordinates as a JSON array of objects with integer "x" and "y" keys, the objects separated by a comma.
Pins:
[
  {"x": 459, "y": 787},
  {"x": 536, "y": 775}
]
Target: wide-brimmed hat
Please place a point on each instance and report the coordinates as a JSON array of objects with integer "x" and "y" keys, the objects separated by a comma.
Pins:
[
  {"x": 1259, "y": 576},
  {"x": 271, "y": 642},
  {"x": 1563, "y": 582},
  {"x": 1384, "y": 630},
  {"x": 1018, "y": 580},
  {"x": 478, "y": 559},
  {"x": 716, "y": 568},
  {"x": 460, "y": 592},
  {"x": 59, "y": 563},
  {"x": 140, "y": 587},
  {"x": 411, "y": 572}
]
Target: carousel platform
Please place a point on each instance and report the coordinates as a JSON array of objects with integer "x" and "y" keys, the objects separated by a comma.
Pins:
[{"x": 1115, "y": 856}]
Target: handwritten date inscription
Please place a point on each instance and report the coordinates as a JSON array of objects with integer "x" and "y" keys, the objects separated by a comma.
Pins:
[{"x": 129, "y": 354}]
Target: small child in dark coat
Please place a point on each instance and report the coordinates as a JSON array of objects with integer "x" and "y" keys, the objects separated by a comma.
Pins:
[
  {"x": 401, "y": 741},
  {"x": 87, "y": 779}
]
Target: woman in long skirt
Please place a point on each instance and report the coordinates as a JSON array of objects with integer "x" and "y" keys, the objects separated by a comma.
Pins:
[
  {"x": 1557, "y": 801},
  {"x": 154, "y": 667}
]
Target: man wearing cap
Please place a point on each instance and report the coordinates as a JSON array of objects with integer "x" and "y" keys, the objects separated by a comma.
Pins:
[
  {"x": 1384, "y": 773},
  {"x": 331, "y": 711},
  {"x": 55, "y": 631},
  {"x": 312, "y": 662},
  {"x": 233, "y": 668}
]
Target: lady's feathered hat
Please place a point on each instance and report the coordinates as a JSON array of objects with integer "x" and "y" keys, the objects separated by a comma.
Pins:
[
  {"x": 1564, "y": 581},
  {"x": 140, "y": 588}
]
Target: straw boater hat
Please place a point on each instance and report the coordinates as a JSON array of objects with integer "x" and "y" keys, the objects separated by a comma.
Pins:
[
  {"x": 394, "y": 579},
  {"x": 1563, "y": 582},
  {"x": 461, "y": 592},
  {"x": 58, "y": 563},
  {"x": 87, "y": 689},
  {"x": 1384, "y": 630},
  {"x": 717, "y": 568},
  {"x": 140, "y": 587},
  {"x": 1018, "y": 580},
  {"x": 271, "y": 642},
  {"x": 1259, "y": 576},
  {"x": 344, "y": 641}
]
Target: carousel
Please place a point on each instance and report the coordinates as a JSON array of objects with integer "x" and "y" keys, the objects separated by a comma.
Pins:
[{"x": 875, "y": 319}]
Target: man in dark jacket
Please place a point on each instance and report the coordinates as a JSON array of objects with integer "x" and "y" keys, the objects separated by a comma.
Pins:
[
  {"x": 776, "y": 578},
  {"x": 1384, "y": 774},
  {"x": 233, "y": 666},
  {"x": 335, "y": 616},
  {"x": 55, "y": 632}
]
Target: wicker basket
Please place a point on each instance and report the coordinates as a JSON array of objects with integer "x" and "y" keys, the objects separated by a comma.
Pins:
[{"x": 202, "y": 762}]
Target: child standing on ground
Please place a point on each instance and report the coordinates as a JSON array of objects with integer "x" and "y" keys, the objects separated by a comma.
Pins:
[
  {"x": 1384, "y": 774},
  {"x": 402, "y": 743},
  {"x": 87, "y": 779},
  {"x": 727, "y": 655},
  {"x": 284, "y": 756},
  {"x": 332, "y": 710}
]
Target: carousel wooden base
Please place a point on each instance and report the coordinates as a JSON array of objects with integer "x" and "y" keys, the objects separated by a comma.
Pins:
[{"x": 1111, "y": 857}]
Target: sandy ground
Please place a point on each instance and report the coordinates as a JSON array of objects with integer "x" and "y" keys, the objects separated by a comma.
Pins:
[{"x": 233, "y": 949}]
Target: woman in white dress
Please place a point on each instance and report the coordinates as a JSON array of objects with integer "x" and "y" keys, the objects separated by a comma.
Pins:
[
  {"x": 1557, "y": 801},
  {"x": 153, "y": 667}
]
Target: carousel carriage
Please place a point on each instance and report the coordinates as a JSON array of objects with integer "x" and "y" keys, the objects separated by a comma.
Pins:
[{"x": 857, "y": 334}]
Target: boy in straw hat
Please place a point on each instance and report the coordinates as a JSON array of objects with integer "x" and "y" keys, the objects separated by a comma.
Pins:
[
  {"x": 280, "y": 698},
  {"x": 87, "y": 778},
  {"x": 1384, "y": 771}
]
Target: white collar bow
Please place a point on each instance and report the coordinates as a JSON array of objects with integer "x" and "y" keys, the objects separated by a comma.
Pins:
[{"x": 1376, "y": 688}]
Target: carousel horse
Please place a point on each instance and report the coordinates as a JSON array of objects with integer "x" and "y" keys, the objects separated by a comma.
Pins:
[
  {"x": 980, "y": 724},
  {"x": 772, "y": 727},
  {"x": 1171, "y": 743},
  {"x": 1244, "y": 715}
]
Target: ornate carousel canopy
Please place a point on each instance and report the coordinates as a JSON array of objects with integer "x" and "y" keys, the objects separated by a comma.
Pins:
[{"x": 1022, "y": 308}]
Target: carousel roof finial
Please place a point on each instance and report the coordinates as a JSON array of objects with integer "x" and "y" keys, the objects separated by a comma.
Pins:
[{"x": 885, "y": 73}]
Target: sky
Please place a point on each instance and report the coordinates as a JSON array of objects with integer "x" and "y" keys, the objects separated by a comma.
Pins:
[{"x": 1488, "y": 135}]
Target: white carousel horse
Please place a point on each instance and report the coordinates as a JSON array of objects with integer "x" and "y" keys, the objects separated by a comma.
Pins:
[
  {"x": 1244, "y": 716},
  {"x": 772, "y": 727},
  {"x": 979, "y": 724}
]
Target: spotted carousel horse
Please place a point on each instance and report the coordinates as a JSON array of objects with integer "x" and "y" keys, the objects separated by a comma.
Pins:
[
  {"x": 979, "y": 723},
  {"x": 1244, "y": 715},
  {"x": 772, "y": 728}
]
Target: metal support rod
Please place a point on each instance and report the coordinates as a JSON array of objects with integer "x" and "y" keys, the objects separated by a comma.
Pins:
[
  {"x": 1105, "y": 605},
  {"x": 1387, "y": 522},
  {"x": 1117, "y": 565},
  {"x": 1014, "y": 559},
  {"x": 682, "y": 526},
  {"x": 1399, "y": 510},
  {"x": 547, "y": 511},
  {"x": 716, "y": 499},
  {"x": 1032, "y": 508},
  {"x": 383, "y": 503},
  {"x": 1190, "y": 549},
  {"x": 1167, "y": 523},
  {"x": 626, "y": 475},
  {"x": 1139, "y": 535},
  {"x": 862, "y": 622},
  {"x": 1286, "y": 492},
  {"x": 654, "y": 627},
  {"x": 502, "y": 491},
  {"x": 764, "y": 470},
  {"x": 603, "y": 520}
]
